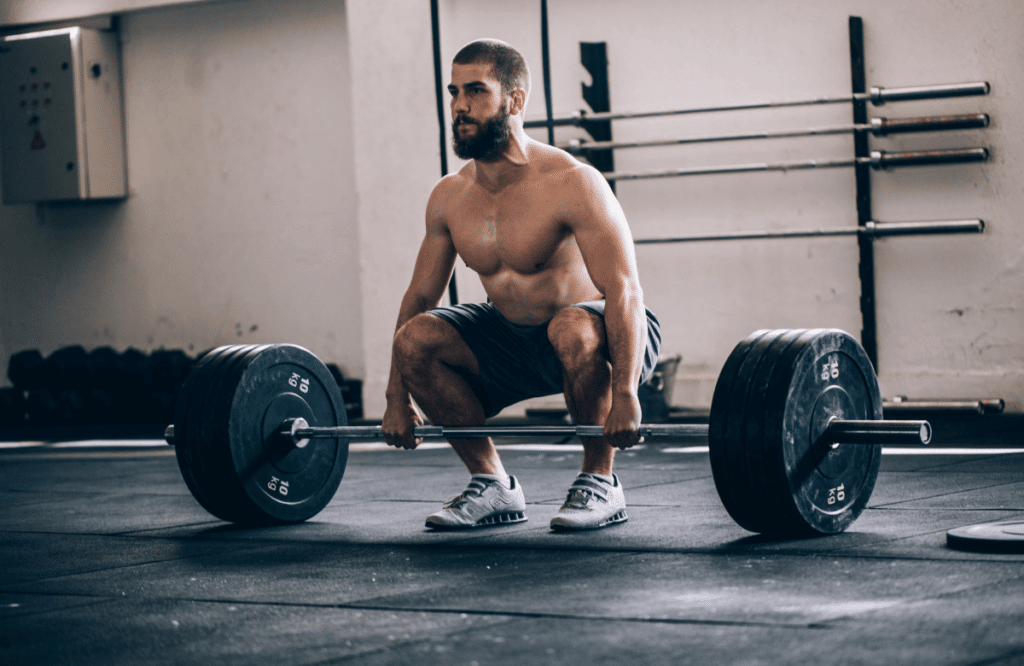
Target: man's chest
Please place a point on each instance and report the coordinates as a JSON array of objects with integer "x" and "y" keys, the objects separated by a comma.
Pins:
[{"x": 507, "y": 232}]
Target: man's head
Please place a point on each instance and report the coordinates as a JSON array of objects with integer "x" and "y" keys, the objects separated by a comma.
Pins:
[
  {"x": 507, "y": 65},
  {"x": 490, "y": 83}
]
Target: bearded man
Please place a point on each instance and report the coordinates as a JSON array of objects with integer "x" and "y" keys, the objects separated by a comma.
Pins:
[{"x": 565, "y": 312}]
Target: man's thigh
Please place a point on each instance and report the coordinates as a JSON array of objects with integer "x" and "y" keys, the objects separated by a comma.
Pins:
[
  {"x": 653, "y": 346},
  {"x": 515, "y": 362}
]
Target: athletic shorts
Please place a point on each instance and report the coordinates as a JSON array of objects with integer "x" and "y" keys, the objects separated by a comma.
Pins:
[{"x": 518, "y": 362}]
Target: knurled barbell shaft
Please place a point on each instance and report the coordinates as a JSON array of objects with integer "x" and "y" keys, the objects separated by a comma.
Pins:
[
  {"x": 876, "y": 96},
  {"x": 297, "y": 430}
]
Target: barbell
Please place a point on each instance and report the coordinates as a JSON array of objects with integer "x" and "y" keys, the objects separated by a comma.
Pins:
[
  {"x": 877, "y": 96},
  {"x": 795, "y": 432},
  {"x": 877, "y": 127},
  {"x": 878, "y": 159},
  {"x": 869, "y": 229}
]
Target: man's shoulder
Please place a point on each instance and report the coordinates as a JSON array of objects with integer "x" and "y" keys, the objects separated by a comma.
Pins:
[
  {"x": 556, "y": 163},
  {"x": 451, "y": 186},
  {"x": 562, "y": 170}
]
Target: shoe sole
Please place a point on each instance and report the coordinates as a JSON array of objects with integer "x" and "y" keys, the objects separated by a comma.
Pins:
[
  {"x": 493, "y": 520},
  {"x": 615, "y": 519}
]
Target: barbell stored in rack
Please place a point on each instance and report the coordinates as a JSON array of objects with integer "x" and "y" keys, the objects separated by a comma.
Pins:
[
  {"x": 877, "y": 127},
  {"x": 261, "y": 434},
  {"x": 870, "y": 229},
  {"x": 877, "y": 96},
  {"x": 877, "y": 160}
]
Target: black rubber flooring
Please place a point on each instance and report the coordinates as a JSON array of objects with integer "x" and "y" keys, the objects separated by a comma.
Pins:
[{"x": 105, "y": 558}]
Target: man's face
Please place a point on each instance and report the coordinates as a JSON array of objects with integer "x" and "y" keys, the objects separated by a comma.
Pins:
[{"x": 480, "y": 112}]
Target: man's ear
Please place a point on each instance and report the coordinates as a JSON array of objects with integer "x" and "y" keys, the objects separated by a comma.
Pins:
[{"x": 518, "y": 103}]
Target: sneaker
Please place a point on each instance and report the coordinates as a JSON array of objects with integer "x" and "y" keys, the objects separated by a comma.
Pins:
[
  {"x": 483, "y": 502},
  {"x": 592, "y": 503}
]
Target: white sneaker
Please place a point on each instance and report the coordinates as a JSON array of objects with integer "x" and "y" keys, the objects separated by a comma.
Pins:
[
  {"x": 592, "y": 503},
  {"x": 483, "y": 502}
]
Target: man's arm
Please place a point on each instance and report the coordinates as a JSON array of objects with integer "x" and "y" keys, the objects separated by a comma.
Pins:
[
  {"x": 604, "y": 239},
  {"x": 430, "y": 277}
]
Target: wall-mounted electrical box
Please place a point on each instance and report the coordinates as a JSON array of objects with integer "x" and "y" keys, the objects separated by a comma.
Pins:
[{"x": 61, "y": 116}]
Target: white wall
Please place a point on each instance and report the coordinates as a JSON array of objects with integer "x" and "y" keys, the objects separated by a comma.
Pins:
[
  {"x": 281, "y": 154},
  {"x": 397, "y": 164},
  {"x": 241, "y": 223},
  {"x": 949, "y": 308}
]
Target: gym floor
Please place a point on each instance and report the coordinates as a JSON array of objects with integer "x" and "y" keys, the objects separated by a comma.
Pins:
[{"x": 105, "y": 558}]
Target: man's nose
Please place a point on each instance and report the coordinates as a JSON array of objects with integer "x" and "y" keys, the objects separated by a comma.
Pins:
[{"x": 459, "y": 105}]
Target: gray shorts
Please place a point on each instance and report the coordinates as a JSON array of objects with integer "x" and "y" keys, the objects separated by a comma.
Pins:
[{"x": 518, "y": 362}]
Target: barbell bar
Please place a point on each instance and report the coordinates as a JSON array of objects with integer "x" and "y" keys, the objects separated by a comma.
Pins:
[
  {"x": 261, "y": 435},
  {"x": 877, "y": 96},
  {"x": 870, "y": 229},
  {"x": 877, "y": 160},
  {"x": 297, "y": 432},
  {"x": 877, "y": 127}
]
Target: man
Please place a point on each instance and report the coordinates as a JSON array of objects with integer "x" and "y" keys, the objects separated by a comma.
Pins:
[{"x": 565, "y": 311}]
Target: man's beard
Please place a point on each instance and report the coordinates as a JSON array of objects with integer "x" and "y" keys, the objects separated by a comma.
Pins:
[{"x": 490, "y": 137}]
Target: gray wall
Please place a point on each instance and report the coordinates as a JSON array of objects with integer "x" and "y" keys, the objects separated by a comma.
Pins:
[
  {"x": 239, "y": 226},
  {"x": 280, "y": 156}
]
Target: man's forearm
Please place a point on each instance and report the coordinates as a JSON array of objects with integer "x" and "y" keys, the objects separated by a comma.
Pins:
[{"x": 626, "y": 330}]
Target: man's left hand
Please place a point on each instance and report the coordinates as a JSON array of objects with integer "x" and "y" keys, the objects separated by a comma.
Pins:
[{"x": 622, "y": 427}]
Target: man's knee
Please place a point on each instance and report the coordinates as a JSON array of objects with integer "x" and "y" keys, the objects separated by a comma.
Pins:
[
  {"x": 416, "y": 343},
  {"x": 578, "y": 337},
  {"x": 426, "y": 339}
]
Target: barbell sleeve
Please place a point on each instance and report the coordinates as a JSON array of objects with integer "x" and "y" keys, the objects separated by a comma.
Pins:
[
  {"x": 839, "y": 431},
  {"x": 887, "y": 126},
  {"x": 885, "y": 160},
  {"x": 880, "y": 95}
]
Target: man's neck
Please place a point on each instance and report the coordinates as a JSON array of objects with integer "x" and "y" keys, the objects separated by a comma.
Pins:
[{"x": 506, "y": 166}]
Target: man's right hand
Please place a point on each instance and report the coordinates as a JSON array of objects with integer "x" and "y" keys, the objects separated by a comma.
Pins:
[{"x": 400, "y": 417}]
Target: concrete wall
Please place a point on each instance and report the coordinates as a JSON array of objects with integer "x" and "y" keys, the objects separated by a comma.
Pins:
[
  {"x": 241, "y": 221},
  {"x": 281, "y": 153},
  {"x": 949, "y": 308}
]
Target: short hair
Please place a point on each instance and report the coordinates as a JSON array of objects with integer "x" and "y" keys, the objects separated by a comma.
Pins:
[{"x": 507, "y": 64}]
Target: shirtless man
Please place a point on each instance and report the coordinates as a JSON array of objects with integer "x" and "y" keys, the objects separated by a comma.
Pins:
[{"x": 565, "y": 311}]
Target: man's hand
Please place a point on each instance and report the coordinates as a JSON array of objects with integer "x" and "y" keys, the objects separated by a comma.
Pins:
[
  {"x": 400, "y": 417},
  {"x": 622, "y": 427}
]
